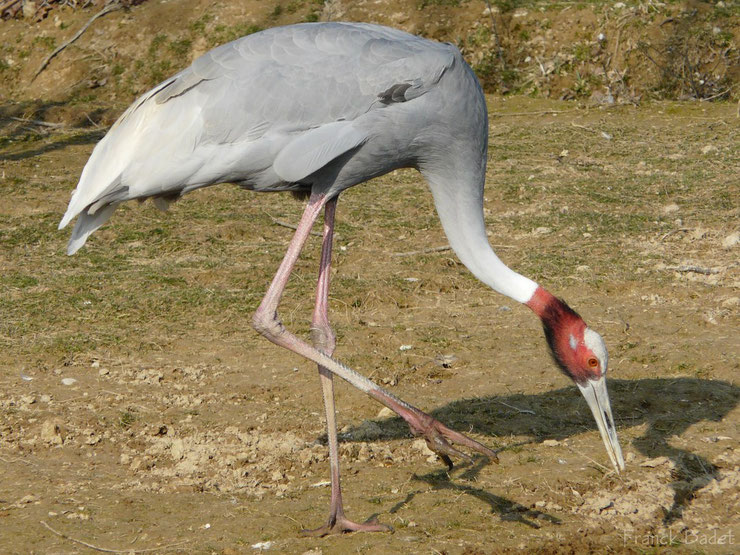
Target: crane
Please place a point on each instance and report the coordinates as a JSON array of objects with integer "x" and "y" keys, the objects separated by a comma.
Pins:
[{"x": 314, "y": 109}]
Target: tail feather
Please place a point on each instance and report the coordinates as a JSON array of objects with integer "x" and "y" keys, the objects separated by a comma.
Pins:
[
  {"x": 85, "y": 198},
  {"x": 86, "y": 224}
]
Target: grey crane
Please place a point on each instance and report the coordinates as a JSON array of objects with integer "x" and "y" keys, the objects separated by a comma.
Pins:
[{"x": 316, "y": 109}]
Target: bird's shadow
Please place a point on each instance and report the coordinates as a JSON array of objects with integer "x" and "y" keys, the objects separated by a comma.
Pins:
[{"x": 668, "y": 406}]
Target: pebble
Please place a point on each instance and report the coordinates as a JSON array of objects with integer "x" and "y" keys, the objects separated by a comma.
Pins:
[
  {"x": 51, "y": 432},
  {"x": 68, "y": 381},
  {"x": 670, "y": 208},
  {"x": 731, "y": 240},
  {"x": 385, "y": 412}
]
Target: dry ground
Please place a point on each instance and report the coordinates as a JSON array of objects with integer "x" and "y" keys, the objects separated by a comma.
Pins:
[{"x": 185, "y": 430}]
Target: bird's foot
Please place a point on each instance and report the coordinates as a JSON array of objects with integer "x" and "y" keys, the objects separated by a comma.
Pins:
[
  {"x": 439, "y": 437},
  {"x": 341, "y": 525}
]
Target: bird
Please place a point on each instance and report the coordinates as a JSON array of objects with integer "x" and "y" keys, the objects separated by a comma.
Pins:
[{"x": 315, "y": 109}]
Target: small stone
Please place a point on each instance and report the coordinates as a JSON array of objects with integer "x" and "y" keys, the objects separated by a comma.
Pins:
[
  {"x": 103, "y": 372},
  {"x": 542, "y": 230},
  {"x": 421, "y": 445},
  {"x": 29, "y": 9},
  {"x": 177, "y": 449},
  {"x": 708, "y": 149},
  {"x": 385, "y": 412},
  {"x": 653, "y": 463},
  {"x": 51, "y": 432},
  {"x": 583, "y": 268},
  {"x": 45, "y": 398},
  {"x": 670, "y": 208},
  {"x": 731, "y": 240},
  {"x": 550, "y": 442},
  {"x": 68, "y": 381}
]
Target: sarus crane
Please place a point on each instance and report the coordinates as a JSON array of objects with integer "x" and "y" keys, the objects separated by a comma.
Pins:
[{"x": 315, "y": 109}]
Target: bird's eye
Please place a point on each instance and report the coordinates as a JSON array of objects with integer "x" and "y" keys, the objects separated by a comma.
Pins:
[{"x": 592, "y": 362}]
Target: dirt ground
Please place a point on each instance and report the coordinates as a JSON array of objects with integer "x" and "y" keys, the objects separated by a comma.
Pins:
[{"x": 140, "y": 410}]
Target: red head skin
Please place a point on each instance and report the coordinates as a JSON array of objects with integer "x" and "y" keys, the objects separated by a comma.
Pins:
[{"x": 564, "y": 331}]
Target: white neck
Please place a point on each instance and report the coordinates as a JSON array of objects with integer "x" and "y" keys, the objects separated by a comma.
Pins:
[{"x": 460, "y": 209}]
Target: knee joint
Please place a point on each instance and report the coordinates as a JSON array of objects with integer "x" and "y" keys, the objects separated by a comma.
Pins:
[{"x": 267, "y": 324}]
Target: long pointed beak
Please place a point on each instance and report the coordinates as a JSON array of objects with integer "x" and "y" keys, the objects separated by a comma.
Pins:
[{"x": 597, "y": 398}]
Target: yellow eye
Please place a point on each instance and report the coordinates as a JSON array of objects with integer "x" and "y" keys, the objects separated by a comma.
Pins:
[{"x": 592, "y": 362}]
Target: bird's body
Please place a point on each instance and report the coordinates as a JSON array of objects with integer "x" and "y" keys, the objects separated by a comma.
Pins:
[
  {"x": 283, "y": 110},
  {"x": 315, "y": 109}
]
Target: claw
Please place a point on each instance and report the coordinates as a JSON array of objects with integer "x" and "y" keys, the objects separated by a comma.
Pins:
[
  {"x": 339, "y": 524},
  {"x": 438, "y": 436}
]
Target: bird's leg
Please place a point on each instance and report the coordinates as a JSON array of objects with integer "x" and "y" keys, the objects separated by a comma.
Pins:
[
  {"x": 266, "y": 321},
  {"x": 324, "y": 340}
]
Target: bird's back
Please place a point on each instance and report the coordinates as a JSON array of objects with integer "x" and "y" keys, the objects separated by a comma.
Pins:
[{"x": 262, "y": 111}]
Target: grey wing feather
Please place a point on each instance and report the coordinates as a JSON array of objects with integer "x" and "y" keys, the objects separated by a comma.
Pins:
[
  {"x": 268, "y": 108},
  {"x": 312, "y": 150}
]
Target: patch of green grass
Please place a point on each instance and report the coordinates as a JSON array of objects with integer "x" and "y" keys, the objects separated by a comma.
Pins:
[
  {"x": 199, "y": 26},
  {"x": 47, "y": 42},
  {"x": 126, "y": 419},
  {"x": 20, "y": 281},
  {"x": 222, "y": 34}
]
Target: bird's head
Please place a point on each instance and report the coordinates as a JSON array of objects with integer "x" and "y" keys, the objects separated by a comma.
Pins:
[{"x": 581, "y": 354}]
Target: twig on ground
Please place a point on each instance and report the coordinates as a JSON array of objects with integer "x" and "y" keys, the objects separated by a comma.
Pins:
[
  {"x": 604, "y": 468},
  {"x": 540, "y": 113},
  {"x": 522, "y": 411},
  {"x": 583, "y": 127},
  {"x": 722, "y": 93},
  {"x": 110, "y": 7},
  {"x": 671, "y": 232},
  {"x": 694, "y": 269},
  {"x": 105, "y": 549},
  {"x": 39, "y": 122}
]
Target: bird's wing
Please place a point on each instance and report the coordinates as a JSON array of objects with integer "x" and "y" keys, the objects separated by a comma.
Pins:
[
  {"x": 299, "y": 77},
  {"x": 313, "y": 149},
  {"x": 272, "y": 106}
]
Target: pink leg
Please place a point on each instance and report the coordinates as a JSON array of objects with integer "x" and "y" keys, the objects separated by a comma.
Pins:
[
  {"x": 324, "y": 340},
  {"x": 266, "y": 321}
]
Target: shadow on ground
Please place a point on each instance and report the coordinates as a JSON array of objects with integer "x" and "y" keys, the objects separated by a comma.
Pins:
[
  {"x": 669, "y": 406},
  {"x": 29, "y": 129}
]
